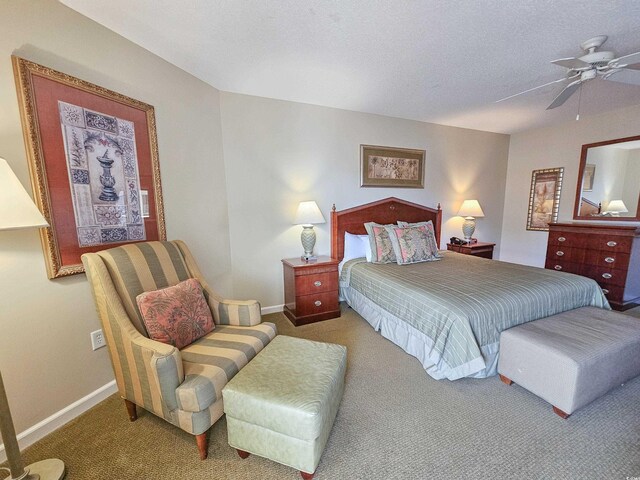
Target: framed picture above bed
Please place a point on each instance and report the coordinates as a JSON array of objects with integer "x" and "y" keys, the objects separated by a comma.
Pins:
[
  {"x": 391, "y": 167},
  {"x": 93, "y": 159},
  {"x": 544, "y": 198}
]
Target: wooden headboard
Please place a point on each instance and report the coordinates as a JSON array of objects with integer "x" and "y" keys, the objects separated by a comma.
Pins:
[{"x": 389, "y": 210}]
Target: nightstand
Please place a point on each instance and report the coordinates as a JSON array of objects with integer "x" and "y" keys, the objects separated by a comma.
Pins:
[
  {"x": 310, "y": 290},
  {"x": 480, "y": 249}
]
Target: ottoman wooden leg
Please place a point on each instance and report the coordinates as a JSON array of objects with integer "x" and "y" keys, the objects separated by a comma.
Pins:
[
  {"x": 506, "y": 380},
  {"x": 203, "y": 445},
  {"x": 561, "y": 413},
  {"x": 242, "y": 453},
  {"x": 307, "y": 476},
  {"x": 131, "y": 410}
]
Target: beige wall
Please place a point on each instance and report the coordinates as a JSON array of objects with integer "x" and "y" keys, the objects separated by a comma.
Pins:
[
  {"x": 279, "y": 153},
  {"x": 45, "y": 351},
  {"x": 557, "y": 146}
]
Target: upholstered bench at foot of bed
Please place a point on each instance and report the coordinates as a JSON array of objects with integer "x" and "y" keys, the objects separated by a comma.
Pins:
[
  {"x": 282, "y": 405},
  {"x": 572, "y": 358}
]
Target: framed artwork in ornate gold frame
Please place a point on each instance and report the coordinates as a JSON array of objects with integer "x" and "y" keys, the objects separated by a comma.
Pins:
[
  {"x": 544, "y": 198},
  {"x": 91, "y": 153}
]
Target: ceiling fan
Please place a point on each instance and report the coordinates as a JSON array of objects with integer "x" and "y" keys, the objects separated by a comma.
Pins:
[{"x": 592, "y": 64}]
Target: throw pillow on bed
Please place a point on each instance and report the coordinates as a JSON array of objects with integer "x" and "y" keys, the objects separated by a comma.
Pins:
[
  {"x": 412, "y": 244},
  {"x": 381, "y": 247},
  {"x": 433, "y": 244},
  {"x": 177, "y": 315}
]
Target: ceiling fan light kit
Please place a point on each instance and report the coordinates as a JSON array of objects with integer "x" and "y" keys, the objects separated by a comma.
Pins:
[{"x": 593, "y": 63}]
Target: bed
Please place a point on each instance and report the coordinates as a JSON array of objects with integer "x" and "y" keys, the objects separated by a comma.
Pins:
[{"x": 449, "y": 313}]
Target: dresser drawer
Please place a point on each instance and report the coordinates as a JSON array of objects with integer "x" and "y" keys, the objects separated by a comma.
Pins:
[
  {"x": 317, "y": 303},
  {"x": 610, "y": 276},
  {"x": 603, "y": 258},
  {"x": 568, "y": 254},
  {"x": 613, "y": 293},
  {"x": 323, "y": 282},
  {"x": 563, "y": 266},
  {"x": 567, "y": 239},
  {"x": 611, "y": 243}
]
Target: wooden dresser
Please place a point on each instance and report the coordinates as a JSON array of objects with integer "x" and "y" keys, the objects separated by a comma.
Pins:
[
  {"x": 310, "y": 290},
  {"x": 610, "y": 254}
]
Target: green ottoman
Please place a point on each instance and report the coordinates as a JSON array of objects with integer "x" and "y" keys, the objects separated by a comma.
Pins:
[{"x": 282, "y": 404}]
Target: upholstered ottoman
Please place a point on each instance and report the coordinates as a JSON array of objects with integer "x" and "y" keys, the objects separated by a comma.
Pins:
[
  {"x": 283, "y": 403},
  {"x": 572, "y": 358}
]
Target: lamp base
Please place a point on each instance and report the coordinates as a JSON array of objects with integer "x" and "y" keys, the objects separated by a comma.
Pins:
[
  {"x": 468, "y": 227},
  {"x": 308, "y": 239},
  {"x": 309, "y": 259},
  {"x": 50, "y": 469}
]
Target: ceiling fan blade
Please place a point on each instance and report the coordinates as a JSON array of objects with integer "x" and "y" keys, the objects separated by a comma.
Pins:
[
  {"x": 535, "y": 88},
  {"x": 572, "y": 63},
  {"x": 564, "y": 95},
  {"x": 624, "y": 75},
  {"x": 623, "y": 62}
]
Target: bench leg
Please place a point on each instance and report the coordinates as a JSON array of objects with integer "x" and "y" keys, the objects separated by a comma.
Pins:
[
  {"x": 560, "y": 413},
  {"x": 242, "y": 453},
  {"x": 203, "y": 445},
  {"x": 506, "y": 380},
  {"x": 307, "y": 476},
  {"x": 131, "y": 410}
]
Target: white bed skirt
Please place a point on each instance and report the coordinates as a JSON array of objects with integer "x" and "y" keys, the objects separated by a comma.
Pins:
[{"x": 416, "y": 343}]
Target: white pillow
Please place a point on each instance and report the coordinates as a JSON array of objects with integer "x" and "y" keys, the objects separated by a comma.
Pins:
[{"x": 356, "y": 246}]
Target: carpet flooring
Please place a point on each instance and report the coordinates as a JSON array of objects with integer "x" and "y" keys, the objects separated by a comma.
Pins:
[{"x": 395, "y": 422}]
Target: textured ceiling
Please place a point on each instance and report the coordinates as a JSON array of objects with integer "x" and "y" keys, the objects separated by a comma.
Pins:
[{"x": 442, "y": 61}]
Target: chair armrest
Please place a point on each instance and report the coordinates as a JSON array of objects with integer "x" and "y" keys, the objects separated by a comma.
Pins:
[
  {"x": 165, "y": 363},
  {"x": 246, "y": 313}
]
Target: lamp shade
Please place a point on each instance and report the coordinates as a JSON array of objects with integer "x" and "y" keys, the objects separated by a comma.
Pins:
[
  {"x": 308, "y": 214},
  {"x": 617, "y": 206},
  {"x": 470, "y": 208},
  {"x": 17, "y": 210}
]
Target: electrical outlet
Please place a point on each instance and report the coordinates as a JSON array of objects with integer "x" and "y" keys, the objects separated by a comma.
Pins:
[{"x": 97, "y": 340}]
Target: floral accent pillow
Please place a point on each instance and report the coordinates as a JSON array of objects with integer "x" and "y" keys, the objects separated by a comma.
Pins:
[
  {"x": 412, "y": 245},
  {"x": 177, "y": 315},
  {"x": 430, "y": 233},
  {"x": 381, "y": 247}
]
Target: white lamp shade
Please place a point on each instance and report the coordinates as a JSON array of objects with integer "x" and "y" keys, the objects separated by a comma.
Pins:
[
  {"x": 617, "y": 206},
  {"x": 308, "y": 214},
  {"x": 17, "y": 210},
  {"x": 470, "y": 208}
]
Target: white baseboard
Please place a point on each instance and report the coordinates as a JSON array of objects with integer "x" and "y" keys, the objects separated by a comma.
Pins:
[
  {"x": 272, "y": 309},
  {"x": 58, "y": 419}
]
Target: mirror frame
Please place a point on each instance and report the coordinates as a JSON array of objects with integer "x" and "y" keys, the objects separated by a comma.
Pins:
[{"x": 583, "y": 161}]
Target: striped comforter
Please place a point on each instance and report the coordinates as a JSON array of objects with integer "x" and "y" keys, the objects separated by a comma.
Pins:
[{"x": 462, "y": 303}]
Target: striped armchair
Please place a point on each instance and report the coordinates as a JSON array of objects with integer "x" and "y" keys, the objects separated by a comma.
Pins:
[{"x": 182, "y": 386}]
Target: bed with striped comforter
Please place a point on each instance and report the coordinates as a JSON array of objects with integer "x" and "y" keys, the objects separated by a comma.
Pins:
[{"x": 456, "y": 307}]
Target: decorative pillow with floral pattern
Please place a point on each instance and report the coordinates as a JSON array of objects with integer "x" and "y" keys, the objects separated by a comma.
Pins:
[
  {"x": 381, "y": 247},
  {"x": 177, "y": 315},
  {"x": 433, "y": 244},
  {"x": 412, "y": 245}
]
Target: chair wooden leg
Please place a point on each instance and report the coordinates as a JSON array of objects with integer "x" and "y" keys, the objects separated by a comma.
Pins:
[
  {"x": 560, "y": 413},
  {"x": 505, "y": 380},
  {"x": 203, "y": 445},
  {"x": 307, "y": 476},
  {"x": 242, "y": 453},
  {"x": 131, "y": 410}
]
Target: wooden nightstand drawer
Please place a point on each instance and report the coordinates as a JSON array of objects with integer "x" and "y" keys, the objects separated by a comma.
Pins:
[
  {"x": 317, "y": 303},
  {"x": 324, "y": 282},
  {"x": 479, "y": 249}
]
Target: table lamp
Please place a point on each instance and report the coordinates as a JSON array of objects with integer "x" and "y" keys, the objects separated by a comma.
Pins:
[
  {"x": 307, "y": 215},
  {"x": 470, "y": 209},
  {"x": 616, "y": 207},
  {"x": 18, "y": 211}
]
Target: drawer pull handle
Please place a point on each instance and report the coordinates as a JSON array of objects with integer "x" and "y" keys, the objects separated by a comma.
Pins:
[
  {"x": 607, "y": 275},
  {"x": 612, "y": 244},
  {"x": 559, "y": 253},
  {"x": 317, "y": 303},
  {"x": 609, "y": 259},
  {"x": 317, "y": 283},
  {"x": 561, "y": 239},
  {"x": 605, "y": 291},
  {"x": 558, "y": 267}
]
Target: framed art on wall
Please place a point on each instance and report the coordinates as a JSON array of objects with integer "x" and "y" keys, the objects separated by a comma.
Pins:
[
  {"x": 544, "y": 198},
  {"x": 391, "y": 167},
  {"x": 92, "y": 152}
]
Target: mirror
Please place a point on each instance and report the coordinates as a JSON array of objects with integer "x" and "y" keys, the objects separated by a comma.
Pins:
[{"x": 609, "y": 181}]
